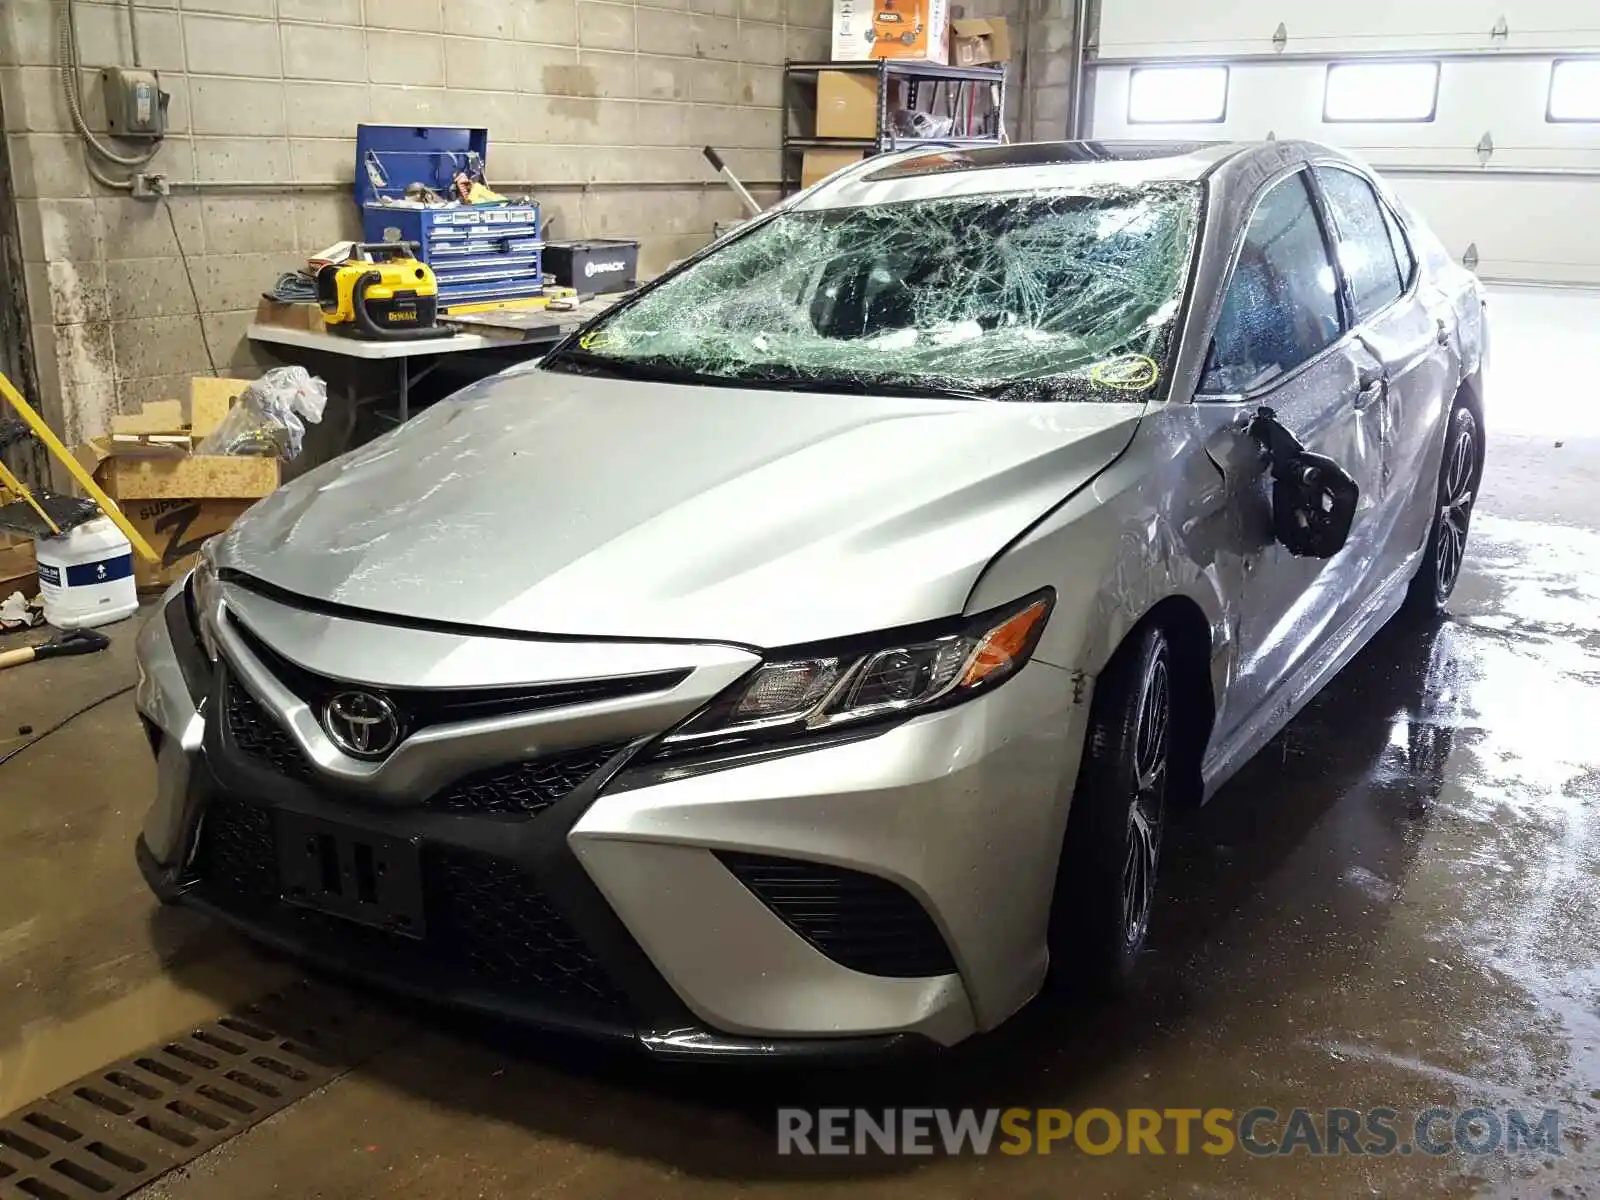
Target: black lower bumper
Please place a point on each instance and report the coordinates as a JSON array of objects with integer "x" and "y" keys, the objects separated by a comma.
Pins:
[
  {"x": 682, "y": 1041},
  {"x": 514, "y": 928}
]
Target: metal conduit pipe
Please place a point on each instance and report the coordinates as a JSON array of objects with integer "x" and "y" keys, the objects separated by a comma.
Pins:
[
  {"x": 67, "y": 63},
  {"x": 1077, "y": 119}
]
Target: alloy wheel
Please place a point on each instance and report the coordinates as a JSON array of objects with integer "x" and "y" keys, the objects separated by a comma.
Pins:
[
  {"x": 1455, "y": 507},
  {"x": 1151, "y": 741}
]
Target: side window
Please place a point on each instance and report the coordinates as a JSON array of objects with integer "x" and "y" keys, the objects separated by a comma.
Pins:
[
  {"x": 1402, "y": 247},
  {"x": 1366, "y": 246},
  {"x": 1282, "y": 305}
]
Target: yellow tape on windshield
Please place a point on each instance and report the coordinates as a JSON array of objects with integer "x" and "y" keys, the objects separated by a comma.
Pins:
[{"x": 1130, "y": 373}]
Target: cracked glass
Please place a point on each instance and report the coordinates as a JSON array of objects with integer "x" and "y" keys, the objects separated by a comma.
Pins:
[
  {"x": 1366, "y": 244},
  {"x": 1282, "y": 302},
  {"x": 1058, "y": 295}
]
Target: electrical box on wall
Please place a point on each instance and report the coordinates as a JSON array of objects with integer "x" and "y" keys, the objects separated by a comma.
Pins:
[{"x": 136, "y": 107}]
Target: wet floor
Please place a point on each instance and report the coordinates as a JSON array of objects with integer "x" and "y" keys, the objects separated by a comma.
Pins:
[{"x": 1396, "y": 905}]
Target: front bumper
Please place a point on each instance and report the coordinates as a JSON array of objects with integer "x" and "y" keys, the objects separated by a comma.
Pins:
[{"x": 659, "y": 942}]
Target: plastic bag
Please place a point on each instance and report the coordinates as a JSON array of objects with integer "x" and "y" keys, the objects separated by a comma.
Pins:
[
  {"x": 271, "y": 415},
  {"x": 908, "y": 123}
]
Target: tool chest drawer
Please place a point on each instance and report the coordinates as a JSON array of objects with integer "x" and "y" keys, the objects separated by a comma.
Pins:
[
  {"x": 469, "y": 247},
  {"x": 479, "y": 253}
]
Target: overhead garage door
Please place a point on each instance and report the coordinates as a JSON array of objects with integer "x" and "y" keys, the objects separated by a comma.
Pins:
[{"x": 1485, "y": 115}]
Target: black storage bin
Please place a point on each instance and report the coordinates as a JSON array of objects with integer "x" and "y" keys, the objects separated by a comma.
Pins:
[{"x": 593, "y": 266}]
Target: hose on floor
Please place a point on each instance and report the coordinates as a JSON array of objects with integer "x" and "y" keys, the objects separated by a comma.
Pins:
[{"x": 64, "y": 722}]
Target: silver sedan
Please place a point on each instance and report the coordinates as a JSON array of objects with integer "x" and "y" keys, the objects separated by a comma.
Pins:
[{"x": 806, "y": 656}]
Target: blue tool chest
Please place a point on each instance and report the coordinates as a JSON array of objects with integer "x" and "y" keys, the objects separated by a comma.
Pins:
[{"x": 479, "y": 253}]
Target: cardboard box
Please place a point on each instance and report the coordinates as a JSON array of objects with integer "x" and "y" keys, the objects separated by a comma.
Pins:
[
  {"x": 156, "y": 416},
  {"x": 18, "y": 572},
  {"x": 908, "y": 30},
  {"x": 177, "y": 503},
  {"x": 289, "y": 316},
  {"x": 817, "y": 165},
  {"x": 977, "y": 42},
  {"x": 847, "y": 104},
  {"x": 209, "y": 401}
]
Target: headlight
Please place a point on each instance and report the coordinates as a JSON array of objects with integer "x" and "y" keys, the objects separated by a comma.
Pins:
[
  {"x": 865, "y": 680},
  {"x": 204, "y": 597}
]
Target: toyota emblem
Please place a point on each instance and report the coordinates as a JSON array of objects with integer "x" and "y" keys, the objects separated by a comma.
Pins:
[{"x": 362, "y": 724}]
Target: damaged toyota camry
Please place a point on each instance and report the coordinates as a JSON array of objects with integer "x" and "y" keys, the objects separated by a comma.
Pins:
[{"x": 806, "y": 656}]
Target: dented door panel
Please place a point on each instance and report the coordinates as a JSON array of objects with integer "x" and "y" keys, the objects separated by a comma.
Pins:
[{"x": 1288, "y": 604}]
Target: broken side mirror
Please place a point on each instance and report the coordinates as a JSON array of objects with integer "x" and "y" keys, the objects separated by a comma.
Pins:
[{"x": 1313, "y": 498}]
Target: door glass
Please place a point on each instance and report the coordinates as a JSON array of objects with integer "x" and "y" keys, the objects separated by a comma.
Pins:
[
  {"x": 1402, "y": 247},
  {"x": 1282, "y": 304},
  {"x": 1366, "y": 250}
]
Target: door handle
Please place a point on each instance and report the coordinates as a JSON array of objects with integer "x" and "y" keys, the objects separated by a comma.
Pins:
[{"x": 1444, "y": 331}]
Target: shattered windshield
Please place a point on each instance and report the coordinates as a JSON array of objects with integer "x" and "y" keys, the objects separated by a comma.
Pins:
[{"x": 1069, "y": 295}]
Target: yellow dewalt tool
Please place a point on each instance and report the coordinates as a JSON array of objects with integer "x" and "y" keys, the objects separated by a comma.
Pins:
[
  {"x": 43, "y": 514},
  {"x": 383, "y": 291}
]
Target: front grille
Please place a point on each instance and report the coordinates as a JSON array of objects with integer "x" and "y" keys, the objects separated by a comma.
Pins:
[
  {"x": 518, "y": 789},
  {"x": 256, "y": 733},
  {"x": 524, "y": 789},
  {"x": 486, "y": 919},
  {"x": 860, "y": 921},
  {"x": 421, "y": 707}
]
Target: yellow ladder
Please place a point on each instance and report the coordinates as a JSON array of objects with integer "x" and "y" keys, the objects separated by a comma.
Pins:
[{"x": 61, "y": 454}]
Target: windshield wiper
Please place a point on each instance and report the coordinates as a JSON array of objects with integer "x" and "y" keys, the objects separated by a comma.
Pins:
[
  {"x": 862, "y": 385},
  {"x": 586, "y": 362}
]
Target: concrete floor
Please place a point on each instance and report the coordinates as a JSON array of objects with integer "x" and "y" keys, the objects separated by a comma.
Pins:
[{"x": 1398, "y": 903}]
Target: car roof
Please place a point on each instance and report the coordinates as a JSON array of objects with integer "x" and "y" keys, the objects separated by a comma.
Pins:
[{"x": 933, "y": 172}]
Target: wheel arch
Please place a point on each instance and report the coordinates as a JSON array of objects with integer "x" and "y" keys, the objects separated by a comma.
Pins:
[{"x": 1470, "y": 394}]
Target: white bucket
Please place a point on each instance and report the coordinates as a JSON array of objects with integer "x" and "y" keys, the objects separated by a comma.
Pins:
[{"x": 86, "y": 576}]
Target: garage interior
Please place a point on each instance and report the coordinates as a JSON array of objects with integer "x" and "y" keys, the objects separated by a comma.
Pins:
[{"x": 1396, "y": 903}]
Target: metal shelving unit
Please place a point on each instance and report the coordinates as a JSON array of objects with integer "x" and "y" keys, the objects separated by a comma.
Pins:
[{"x": 800, "y": 108}]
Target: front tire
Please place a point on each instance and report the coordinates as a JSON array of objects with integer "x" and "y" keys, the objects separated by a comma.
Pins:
[
  {"x": 1112, "y": 853},
  {"x": 1460, "y": 474}
]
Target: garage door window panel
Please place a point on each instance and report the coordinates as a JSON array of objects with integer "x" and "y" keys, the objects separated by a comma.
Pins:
[
  {"x": 1281, "y": 308},
  {"x": 1366, "y": 242},
  {"x": 1167, "y": 95},
  {"x": 1574, "y": 90},
  {"x": 1381, "y": 93}
]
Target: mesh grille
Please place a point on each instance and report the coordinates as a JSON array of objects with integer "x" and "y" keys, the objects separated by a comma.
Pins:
[
  {"x": 860, "y": 921},
  {"x": 486, "y": 918},
  {"x": 255, "y": 732},
  {"x": 524, "y": 789},
  {"x": 518, "y": 789},
  {"x": 238, "y": 856},
  {"x": 505, "y": 931}
]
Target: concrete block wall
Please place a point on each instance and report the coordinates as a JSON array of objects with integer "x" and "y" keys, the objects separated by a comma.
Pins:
[
  {"x": 602, "y": 105},
  {"x": 1039, "y": 76}
]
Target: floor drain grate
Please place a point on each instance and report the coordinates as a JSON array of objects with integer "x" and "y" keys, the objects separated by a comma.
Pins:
[{"x": 119, "y": 1127}]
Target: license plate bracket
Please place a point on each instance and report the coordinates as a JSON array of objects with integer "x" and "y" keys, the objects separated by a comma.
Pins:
[{"x": 369, "y": 878}]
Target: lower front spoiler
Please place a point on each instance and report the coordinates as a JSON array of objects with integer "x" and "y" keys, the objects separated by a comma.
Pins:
[{"x": 686, "y": 1044}]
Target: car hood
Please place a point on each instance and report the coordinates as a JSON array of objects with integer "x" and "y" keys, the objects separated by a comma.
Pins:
[{"x": 543, "y": 502}]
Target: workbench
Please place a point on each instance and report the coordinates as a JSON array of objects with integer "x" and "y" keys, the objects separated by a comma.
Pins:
[{"x": 525, "y": 331}]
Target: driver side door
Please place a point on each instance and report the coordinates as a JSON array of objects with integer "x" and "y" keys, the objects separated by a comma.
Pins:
[{"x": 1283, "y": 340}]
